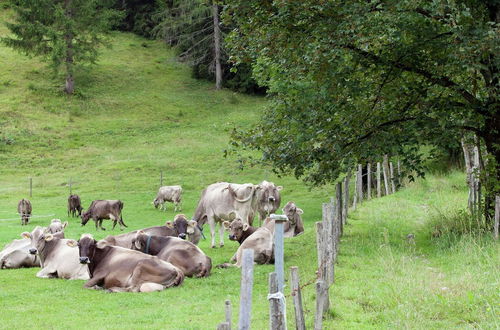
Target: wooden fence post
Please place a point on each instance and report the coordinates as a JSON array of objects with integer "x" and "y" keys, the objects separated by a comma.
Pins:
[
  {"x": 393, "y": 183},
  {"x": 300, "y": 323},
  {"x": 279, "y": 266},
  {"x": 400, "y": 182},
  {"x": 246, "y": 290},
  {"x": 385, "y": 170},
  {"x": 161, "y": 178},
  {"x": 70, "y": 187},
  {"x": 355, "y": 197},
  {"x": 345, "y": 204},
  {"x": 497, "y": 217},
  {"x": 339, "y": 208},
  {"x": 277, "y": 315},
  {"x": 322, "y": 303},
  {"x": 379, "y": 187},
  {"x": 223, "y": 326},
  {"x": 228, "y": 311},
  {"x": 31, "y": 187},
  {"x": 368, "y": 181},
  {"x": 360, "y": 183},
  {"x": 327, "y": 243}
]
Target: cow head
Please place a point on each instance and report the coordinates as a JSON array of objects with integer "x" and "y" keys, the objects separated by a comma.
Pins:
[
  {"x": 139, "y": 241},
  {"x": 85, "y": 217},
  {"x": 156, "y": 202},
  {"x": 57, "y": 226},
  {"x": 236, "y": 229},
  {"x": 38, "y": 238},
  {"x": 182, "y": 225},
  {"x": 269, "y": 196},
  {"x": 86, "y": 247},
  {"x": 291, "y": 211}
]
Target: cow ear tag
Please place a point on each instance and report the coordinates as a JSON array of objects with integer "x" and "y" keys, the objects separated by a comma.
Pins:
[
  {"x": 71, "y": 243},
  {"x": 49, "y": 237},
  {"x": 169, "y": 224},
  {"x": 26, "y": 235}
]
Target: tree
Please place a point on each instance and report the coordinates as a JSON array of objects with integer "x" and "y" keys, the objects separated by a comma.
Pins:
[
  {"x": 64, "y": 32},
  {"x": 354, "y": 80}
]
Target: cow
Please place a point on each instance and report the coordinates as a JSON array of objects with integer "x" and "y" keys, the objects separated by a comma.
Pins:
[
  {"x": 294, "y": 226},
  {"x": 184, "y": 255},
  {"x": 238, "y": 231},
  {"x": 56, "y": 226},
  {"x": 225, "y": 201},
  {"x": 180, "y": 227},
  {"x": 119, "y": 269},
  {"x": 74, "y": 205},
  {"x": 104, "y": 209},
  {"x": 261, "y": 242},
  {"x": 16, "y": 255},
  {"x": 24, "y": 209},
  {"x": 168, "y": 194},
  {"x": 58, "y": 260}
]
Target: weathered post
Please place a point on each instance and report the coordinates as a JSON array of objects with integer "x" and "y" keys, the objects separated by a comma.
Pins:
[
  {"x": 400, "y": 182},
  {"x": 31, "y": 187},
  {"x": 393, "y": 183},
  {"x": 70, "y": 187},
  {"x": 279, "y": 264},
  {"x": 345, "y": 204},
  {"x": 497, "y": 217},
  {"x": 223, "y": 326},
  {"x": 379, "y": 188},
  {"x": 246, "y": 290},
  {"x": 227, "y": 306},
  {"x": 355, "y": 197},
  {"x": 338, "y": 209},
  {"x": 322, "y": 303},
  {"x": 161, "y": 178},
  {"x": 327, "y": 248},
  {"x": 385, "y": 169},
  {"x": 300, "y": 323},
  {"x": 277, "y": 315},
  {"x": 368, "y": 181},
  {"x": 360, "y": 183}
]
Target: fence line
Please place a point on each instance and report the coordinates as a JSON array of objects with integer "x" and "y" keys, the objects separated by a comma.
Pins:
[{"x": 31, "y": 217}]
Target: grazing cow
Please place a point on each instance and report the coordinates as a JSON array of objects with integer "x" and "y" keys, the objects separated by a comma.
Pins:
[
  {"x": 184, "y": 255},
  {"x": 119, "y": 269},
  {"x": 104, "y": 209},
  {"x": 168, "y": 194},
  {"x": 238, "y": 231},
  {"x": 24, "y": 209},
  {"x": 262, "y": 244},
  {"x": 74, "y": 205},
  {"x": 56, "y": 226},
  {"x": 180, "y": 227},
  {"x": 294, "y": 226},
  {"x": 268, "y": 199},
  {"x": 58, "y": 260}
]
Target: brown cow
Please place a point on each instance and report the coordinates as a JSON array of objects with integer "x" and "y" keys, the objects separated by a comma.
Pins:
[
  {"x": 74, "y": 205},
  {"x": 118, "y": 269},
  {"x": 180, "y": 227},
  {"x": 56, "y": 226},
  {"x": 294, "y": 226},
  {"x": 238, "y": 231},
  {"x": 104, "y": 209},
  {"x": 182, "y": 254},
  {"x": 24, "y": 209}
]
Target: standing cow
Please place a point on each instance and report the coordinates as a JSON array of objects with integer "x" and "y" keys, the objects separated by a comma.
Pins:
[
  {"x": 24, "y": 209},
  {"x": 74, "y": 205},
  {"x": 168, "y": 194},
  {"x": 104, "y": 209}
]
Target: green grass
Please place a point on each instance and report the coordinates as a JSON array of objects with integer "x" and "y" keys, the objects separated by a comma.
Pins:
[{"x": 137, "y": 113}]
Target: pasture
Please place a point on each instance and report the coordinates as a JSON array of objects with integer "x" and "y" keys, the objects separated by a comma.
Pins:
[{"x": 137, "y": 113}]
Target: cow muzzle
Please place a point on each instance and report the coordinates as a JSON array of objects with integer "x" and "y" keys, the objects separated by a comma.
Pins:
[
  {"x": 272, "y": 199},
  {"x": 183, "y": 236},
  {"x": 232, "y": 237},
  {"x": 32, "y": 251},
  {"x": 84, "y": 260}
]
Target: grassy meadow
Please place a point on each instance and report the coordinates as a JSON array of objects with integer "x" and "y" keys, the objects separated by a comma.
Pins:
[{"x": 137, "y": 113}]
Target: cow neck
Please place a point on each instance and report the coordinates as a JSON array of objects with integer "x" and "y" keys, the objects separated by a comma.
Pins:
[
  {"x": 148, "y": 243},
  {"x": 97, "y": 257},
  {"x": 47, "y": 250},
  {"x": 155, "y": 244},
  {"x": 247, "y": 233}
]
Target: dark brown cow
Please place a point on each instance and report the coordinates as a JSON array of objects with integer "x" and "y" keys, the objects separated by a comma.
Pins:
[
  {"x": 24, "y": 209},
  {"x": 180, "y": 227},
  {"x": 74, "y": 205},
  {"x": 185, "y": 255},
  {"x": 104, "y": 209},
  {"x": 118, "y": 269},
  {"x": 238, "y": 231}
]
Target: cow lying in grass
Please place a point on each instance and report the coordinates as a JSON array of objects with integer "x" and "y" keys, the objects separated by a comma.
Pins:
[
  {"x": 119, "y": 269},
  {"x": 182, "y": 254}
]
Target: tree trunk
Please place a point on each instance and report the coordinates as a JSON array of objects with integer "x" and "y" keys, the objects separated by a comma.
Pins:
[
  {"x": 218, "y": 69},
  {"x": 70, "y": 83}
]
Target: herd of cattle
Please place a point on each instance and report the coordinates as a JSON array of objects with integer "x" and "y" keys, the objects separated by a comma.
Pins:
[{"x": 159, "y": 257}]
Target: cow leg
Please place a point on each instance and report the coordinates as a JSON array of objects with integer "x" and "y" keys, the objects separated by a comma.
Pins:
[
  {"x": 114, "y": 224},
  {"x": 95, "y": 283},
  {"x": 100, "y": 224},
  {"x": 211, "y": 223},
  {"x": 46, "y": 273},
  {"x": 221, "y": 234}
]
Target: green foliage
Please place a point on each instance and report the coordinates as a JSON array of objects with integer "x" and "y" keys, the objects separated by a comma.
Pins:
[{"x": 352, "y": 81}]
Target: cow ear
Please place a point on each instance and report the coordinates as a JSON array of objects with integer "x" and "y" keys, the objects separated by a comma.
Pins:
[
  {"x": 192, "y": 223},
  {"x": 65, "y": 224},
  {"x": 226, "y": 224},
  {"x": 245, "y": 226},
  {"x": 232, "y": 216},
  {"x": 279, "y": 188},
  {"x": 141, "y": 232},
  {"x": 72, "y": 243},
  {"x": 49, "y": 237},
  {"x": 26, "y": 235},
  {"x": 299, "y": 211},
  {"x": 169, "y": 224},
  {"x": 101, "y": 244}
]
